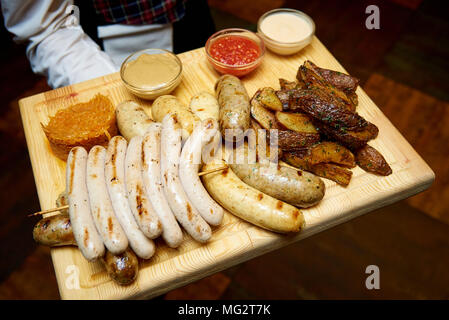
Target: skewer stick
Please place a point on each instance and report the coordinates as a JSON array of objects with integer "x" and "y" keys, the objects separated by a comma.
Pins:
[
  {"x": 282, "y": 164},
  {"x": 212, "y": 170},
  {"x": 48, "y": 211}
]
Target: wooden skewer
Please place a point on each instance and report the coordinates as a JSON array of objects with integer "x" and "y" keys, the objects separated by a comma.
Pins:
[
  {"x": 211, "y": 170},
  {"x": 48, "y": 211}
]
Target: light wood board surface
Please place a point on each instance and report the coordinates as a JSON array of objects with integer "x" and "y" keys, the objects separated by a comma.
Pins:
[{"x": 234, "y": 241}]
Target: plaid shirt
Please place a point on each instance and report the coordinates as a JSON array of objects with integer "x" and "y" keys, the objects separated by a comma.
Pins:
[{"x": 138, "y": 12}]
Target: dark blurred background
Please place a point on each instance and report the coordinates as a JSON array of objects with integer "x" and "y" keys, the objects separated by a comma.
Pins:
[{"x": 404, "y": 68}]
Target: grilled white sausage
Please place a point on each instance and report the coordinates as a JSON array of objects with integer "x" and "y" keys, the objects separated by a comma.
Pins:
[
  {"x": 188, "y": 172},
  {"x": 141, "y": 207},
  {"x": 84, "y": 230},
  {"x": 151, "y": 171},
  {"x": 184, "y": 210},
  {"x": 250, "y": 204},
  {"x": 115, "y": 182},
  {"x": 108, "y": 226}
]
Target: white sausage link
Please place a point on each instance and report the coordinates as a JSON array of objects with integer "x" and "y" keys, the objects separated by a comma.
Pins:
[
  {"x": 184, "y": 210},
  {"x": 115, "y": 182},
  {"x": 188, "y": 172},
  {"x": 151, "y": 170},
  {"x": 141, "y": 207},
  {"x": 84, "y": 230},
  {"x": 108, "y": 226}
]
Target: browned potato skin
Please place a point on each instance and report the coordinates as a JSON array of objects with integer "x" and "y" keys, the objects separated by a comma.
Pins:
[
  {"x": 369, "y": 159},
  {"x": 122, "y": 268},
  {"x": 298, "y": 188},
  {"x": 351, "y": 139},
  {"x": 234, "y": 105},
  {"x": 292, "y": 140},
  {"x": 267, "y": 97},
  {"x": 54, "y": 231},
  {"x": 329, "y": 171}
]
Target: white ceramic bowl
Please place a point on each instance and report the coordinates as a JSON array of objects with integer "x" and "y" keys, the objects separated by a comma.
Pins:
[{"x": 286, "y": 48}]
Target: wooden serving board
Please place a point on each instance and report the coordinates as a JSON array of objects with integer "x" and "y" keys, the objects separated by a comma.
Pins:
[{"x": 235, "y": 241}]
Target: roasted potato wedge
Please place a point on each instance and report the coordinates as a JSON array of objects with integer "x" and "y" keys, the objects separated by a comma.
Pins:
[
  {"x": 324, "y": 152},
  {"x": 263, "y": 116},
  {"x": 353, "y": 140},
  {"x": 287, "y": 139},
  {"x": 298, "y": 122},
  {"x": 329, "y": 171},
  {"x": 369, "y": 159},
  {"x": 292, "y": 140},
  {"x": 268, "y": 98},
  {"x": 328, "y": 151}
]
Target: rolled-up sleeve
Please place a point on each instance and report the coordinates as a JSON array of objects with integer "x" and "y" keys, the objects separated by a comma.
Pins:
[{"x": 57, "y": 46}]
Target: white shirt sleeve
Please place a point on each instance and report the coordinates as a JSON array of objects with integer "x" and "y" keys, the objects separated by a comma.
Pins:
[{"x": 57, "y": 46}]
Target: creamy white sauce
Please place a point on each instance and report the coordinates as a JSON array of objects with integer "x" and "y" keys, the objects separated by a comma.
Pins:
[{"x": 286, "y": 27}]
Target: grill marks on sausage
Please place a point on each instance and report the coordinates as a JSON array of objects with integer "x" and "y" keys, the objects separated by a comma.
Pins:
[
  {"x": 86, "y": 237},
  {"x": 142, "y": 155},
  {"x": 296, "y": 214},
  {"x": 95, "y": 154},
  {"x": 139, "y": 201},
  {"x": 113, "y": 161},
  {"x": 189, "y": 212},
  {"x": 110, "y": 225},
  {"x": 279, "y": 205}
]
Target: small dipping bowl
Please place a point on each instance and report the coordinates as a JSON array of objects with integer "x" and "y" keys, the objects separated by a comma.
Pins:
[
  {"x": 237, "y": 70},
  {"x": 151, "y": 73},
  {"x": 286, "y": 23}
]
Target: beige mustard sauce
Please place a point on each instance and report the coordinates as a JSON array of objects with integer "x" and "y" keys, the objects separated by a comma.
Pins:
[{"x": 151, "y": 70}]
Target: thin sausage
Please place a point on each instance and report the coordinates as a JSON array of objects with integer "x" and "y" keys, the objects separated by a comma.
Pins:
[
  {"x": 114, "y": 238},
  {"x": 188, "y": 172},
  {"x": 184, "y": 210},
  {"x": 84, "y": 230},
  {"x": 115, "y": 182},
  {"x": 141, "y": 207},
  {"x": 151, "y": 171}
]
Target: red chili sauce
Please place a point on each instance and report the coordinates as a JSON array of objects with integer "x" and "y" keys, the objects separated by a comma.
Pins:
[{"x": 234, "y": 50}]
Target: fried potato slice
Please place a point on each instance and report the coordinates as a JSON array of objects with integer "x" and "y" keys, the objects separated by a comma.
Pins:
[
  {"x": 268, "y": 98},
  {"x": 333, "y": 172},
  {"x": 329, "y": 171},
  {"x": 324, "y": 152},
  {"x": 287, "y": 139},
  {"x": 298, "y": 122},
  {"x": 263, "y": 116}
]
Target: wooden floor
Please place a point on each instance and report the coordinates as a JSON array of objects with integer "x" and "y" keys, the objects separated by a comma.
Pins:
[{"x": 404, "y": 67}]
